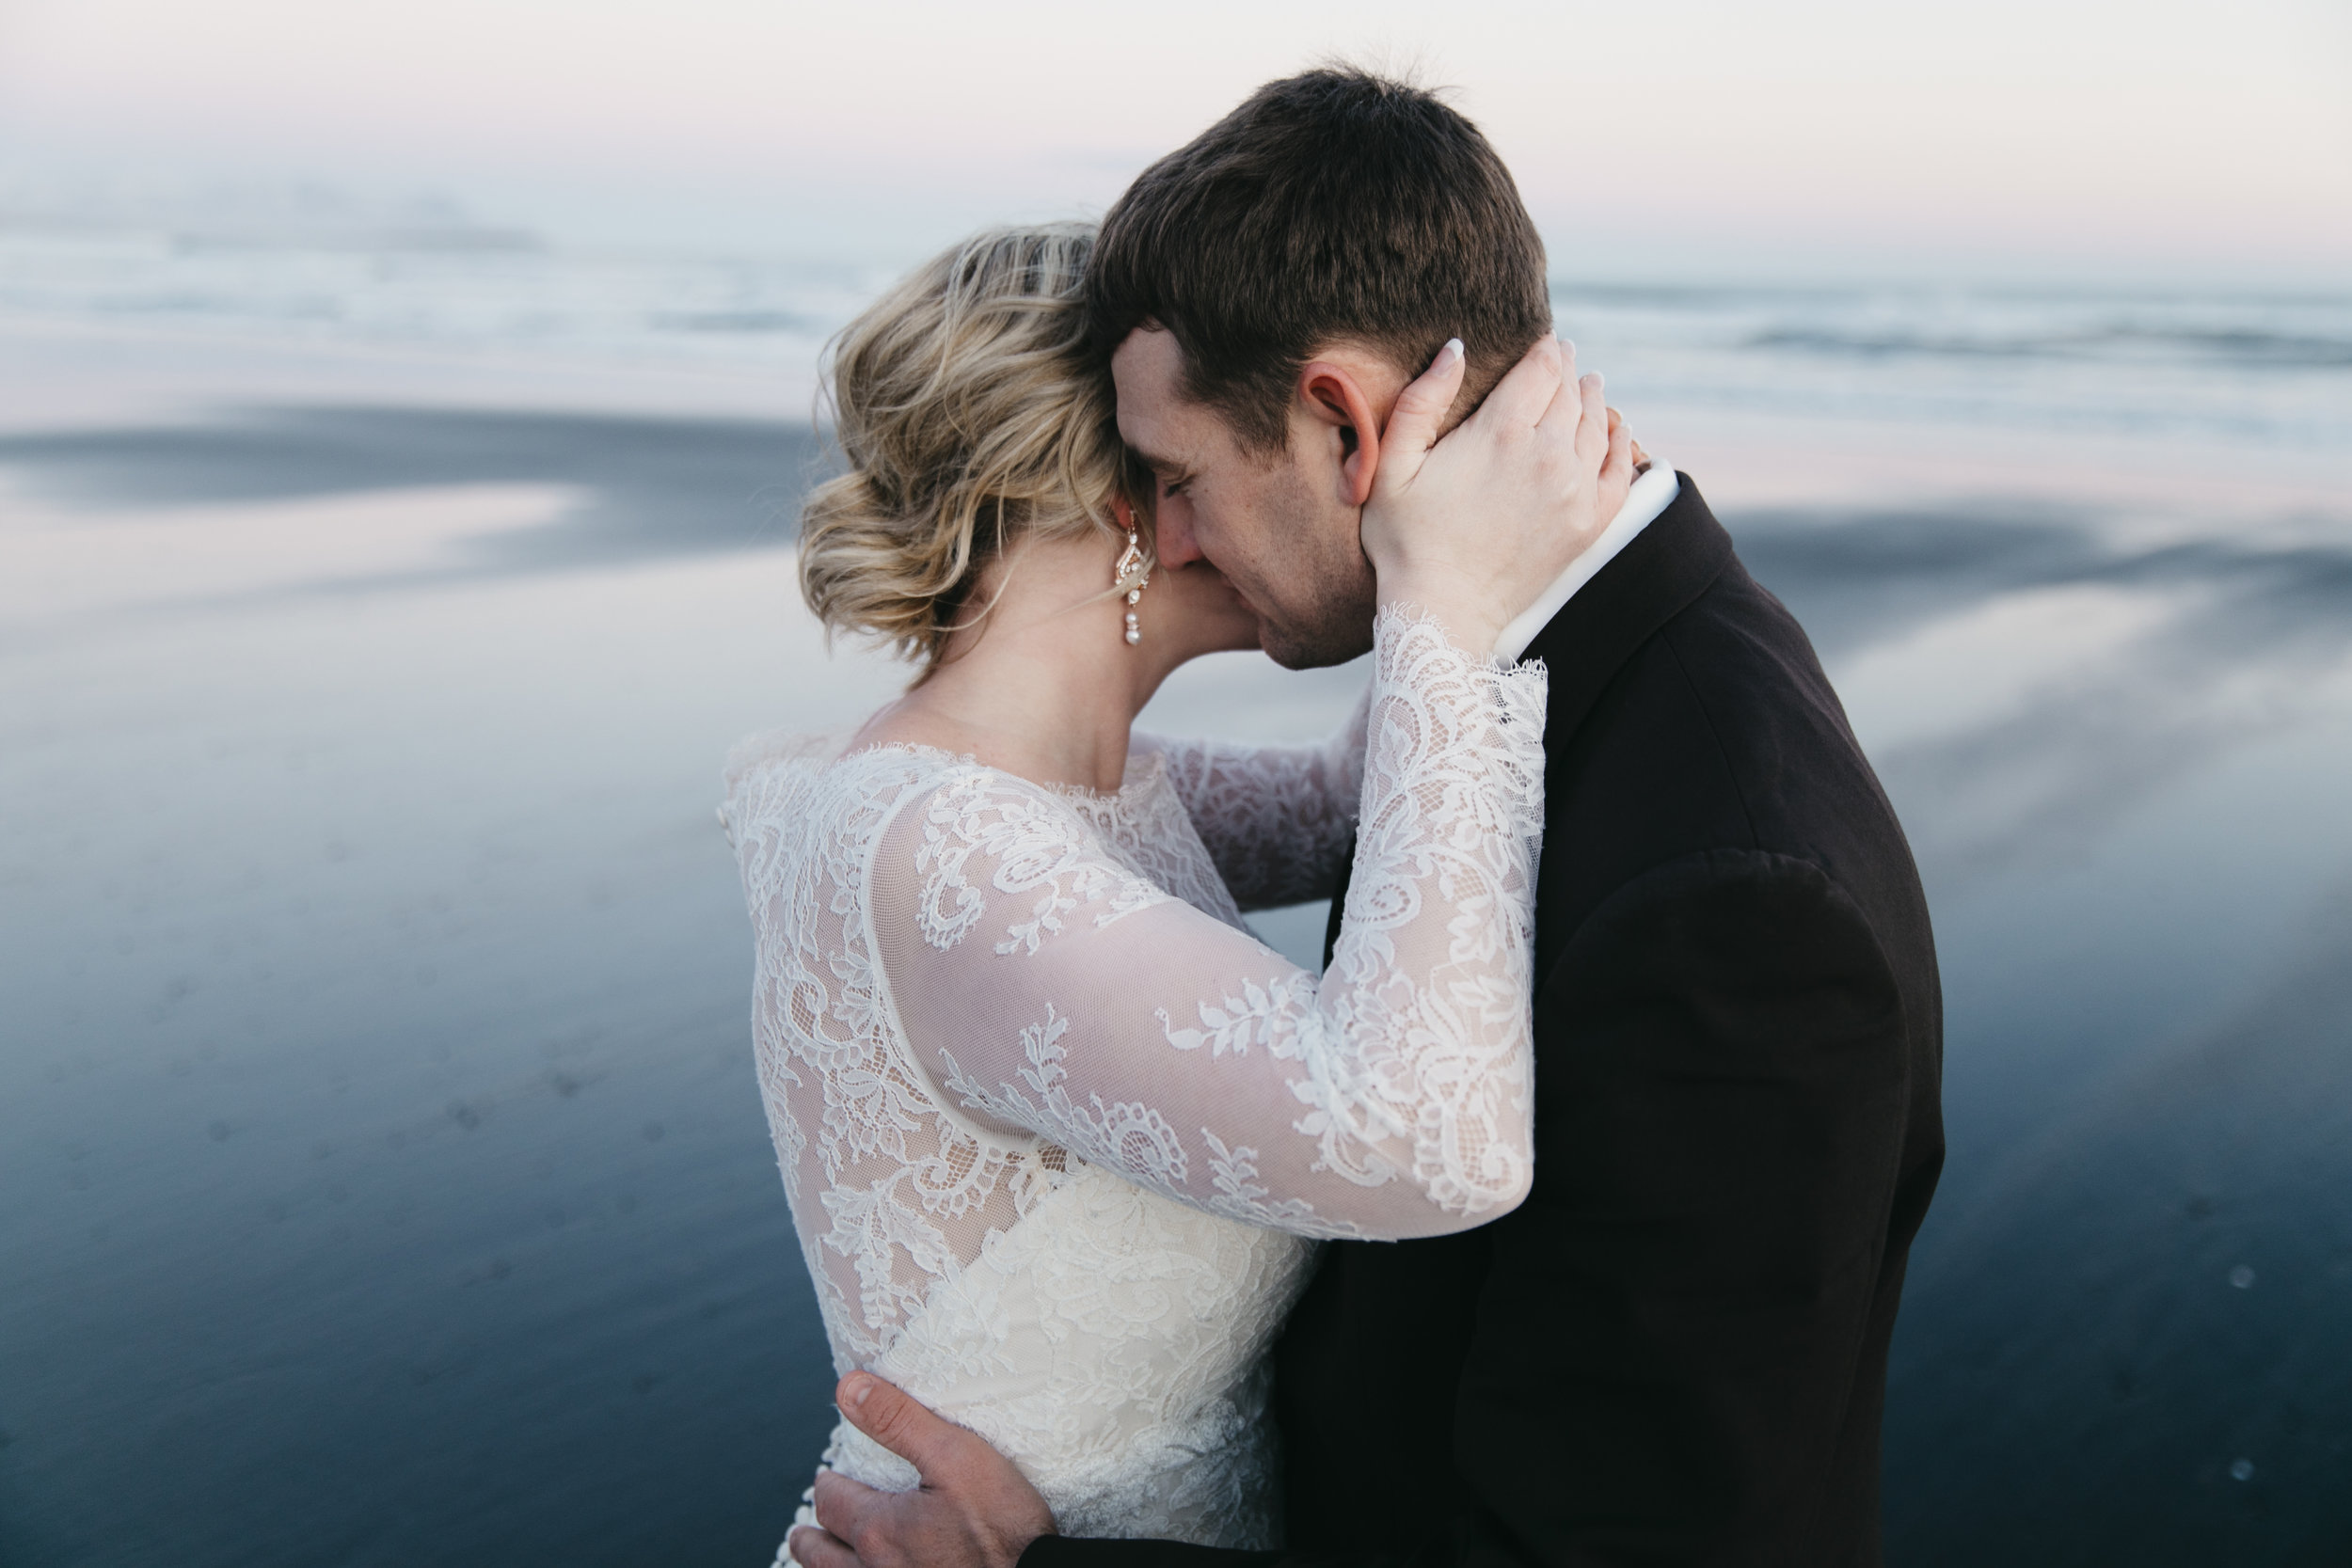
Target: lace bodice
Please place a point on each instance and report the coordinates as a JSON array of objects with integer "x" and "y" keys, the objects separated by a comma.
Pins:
[{"x": 1054, "y": 1124}]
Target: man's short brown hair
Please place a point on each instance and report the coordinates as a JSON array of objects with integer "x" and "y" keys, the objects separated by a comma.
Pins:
[{"x": 1334, "y": 206}]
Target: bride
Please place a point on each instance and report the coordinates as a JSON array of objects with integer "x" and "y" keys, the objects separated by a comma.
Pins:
[{"x": 1058, "y": 1131}]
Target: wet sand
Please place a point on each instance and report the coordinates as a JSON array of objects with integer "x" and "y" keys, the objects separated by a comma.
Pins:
[{"x": 390, "y": 1179}]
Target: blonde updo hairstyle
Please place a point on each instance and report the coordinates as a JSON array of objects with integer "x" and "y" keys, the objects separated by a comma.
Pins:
[{"x": 969, "y": 414}]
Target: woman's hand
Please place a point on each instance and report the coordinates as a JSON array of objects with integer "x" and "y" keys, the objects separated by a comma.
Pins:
[{"x": 1472, "y": 528}]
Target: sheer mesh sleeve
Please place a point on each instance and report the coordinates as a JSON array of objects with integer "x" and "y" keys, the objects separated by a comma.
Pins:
[
  {"x": 1045, "y": 987},
  {"x": 1276, "y": 819}
]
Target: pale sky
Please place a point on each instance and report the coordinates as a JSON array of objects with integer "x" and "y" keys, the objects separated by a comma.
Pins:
[{"x": 2208, "y": 137}]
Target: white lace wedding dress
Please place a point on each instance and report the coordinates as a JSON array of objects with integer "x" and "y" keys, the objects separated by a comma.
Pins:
[{"x": 1056, "y": 1127}]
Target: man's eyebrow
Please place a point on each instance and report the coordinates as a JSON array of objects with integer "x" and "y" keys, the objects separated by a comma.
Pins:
[{"x": 1154, "y": 461}]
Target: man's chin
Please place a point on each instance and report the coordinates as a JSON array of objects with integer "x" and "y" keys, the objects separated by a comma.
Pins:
[{"x": 1318, "y": 648}]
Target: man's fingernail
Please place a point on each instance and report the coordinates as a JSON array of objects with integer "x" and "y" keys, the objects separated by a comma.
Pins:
[
  {"x": 855, "y": 1390},
  {"x": 1454, "y": 348}
]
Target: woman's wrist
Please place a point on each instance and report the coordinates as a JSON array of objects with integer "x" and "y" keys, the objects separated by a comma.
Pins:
[{"x": 1470, "y": 625}]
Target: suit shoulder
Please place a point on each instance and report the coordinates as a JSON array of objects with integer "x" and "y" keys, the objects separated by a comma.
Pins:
[
  {"x": 1786, "y": 742},
  {"x": 1752, "y": 664},
  {"x": 1723, "y": 732}
]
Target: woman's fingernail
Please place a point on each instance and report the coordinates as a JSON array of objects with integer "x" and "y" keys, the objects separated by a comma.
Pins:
[
  {"x": 856, "y": 1389},
  {"x": 1453, "y": 348}
]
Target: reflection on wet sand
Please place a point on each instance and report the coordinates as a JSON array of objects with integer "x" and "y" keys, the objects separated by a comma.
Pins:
[
  {"x": 2123, "y": 668},
  {"x": 2116, "y": 1340},
  {"x": 2131, "y": 1349},
  {"x": 649, "y": 487}
]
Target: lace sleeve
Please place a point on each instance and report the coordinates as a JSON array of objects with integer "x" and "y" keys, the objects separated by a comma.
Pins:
[
  {"x": 1276, "y": 819},
  {"x": 1045, "y": 987}
]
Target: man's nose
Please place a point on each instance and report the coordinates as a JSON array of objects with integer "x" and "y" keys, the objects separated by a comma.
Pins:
[{"x": 1173, "y": 540}]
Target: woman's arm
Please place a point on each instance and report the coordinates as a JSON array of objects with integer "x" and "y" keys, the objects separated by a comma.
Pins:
[
  {"x": 1044, "y": 986},
  {"x": 1276, "y": 819}
]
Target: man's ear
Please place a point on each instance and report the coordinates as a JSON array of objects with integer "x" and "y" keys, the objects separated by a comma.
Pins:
[{"x": 1335, "y": 401}]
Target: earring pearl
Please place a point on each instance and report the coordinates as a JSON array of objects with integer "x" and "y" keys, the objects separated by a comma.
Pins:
[{"x": 1127, "y": 571}]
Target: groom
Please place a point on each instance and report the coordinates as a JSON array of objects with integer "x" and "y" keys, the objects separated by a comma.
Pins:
[{"x": 1675, "y": 1352}]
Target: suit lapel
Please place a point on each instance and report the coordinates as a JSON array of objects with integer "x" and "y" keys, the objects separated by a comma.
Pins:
[{"x": 1653, "y": 579}]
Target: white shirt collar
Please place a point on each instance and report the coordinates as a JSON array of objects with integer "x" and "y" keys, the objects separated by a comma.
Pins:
[{"x": 1651, "y": 494}]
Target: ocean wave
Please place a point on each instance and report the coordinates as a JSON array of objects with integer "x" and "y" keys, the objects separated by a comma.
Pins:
[
  {"x": 754, "y": 322},
  {"x": 2239, "y": 347},
  {"x": 463, "y": 239}
]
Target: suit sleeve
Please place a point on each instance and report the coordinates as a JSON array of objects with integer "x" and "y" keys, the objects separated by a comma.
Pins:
[
  {"x": 1673, "y": 1325},
  {"x": 1672, "y": 1331}
]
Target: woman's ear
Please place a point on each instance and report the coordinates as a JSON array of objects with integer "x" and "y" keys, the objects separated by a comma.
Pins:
[{"x": 1335, "y": 401}]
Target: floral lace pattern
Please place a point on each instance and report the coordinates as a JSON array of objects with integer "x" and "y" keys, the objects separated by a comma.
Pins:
[
  {"x": 1277, "y": 819},
  {"x": 1052, "y": 1124}
]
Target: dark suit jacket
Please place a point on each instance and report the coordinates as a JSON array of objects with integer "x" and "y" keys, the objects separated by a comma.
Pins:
[{"x": 1675, "y": 1352}]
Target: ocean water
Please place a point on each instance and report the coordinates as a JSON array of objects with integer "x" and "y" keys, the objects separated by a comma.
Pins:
[{"x": 385, "y": 1178}]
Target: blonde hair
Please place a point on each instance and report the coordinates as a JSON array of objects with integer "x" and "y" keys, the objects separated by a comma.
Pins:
[{"x": 969, "y": 414}]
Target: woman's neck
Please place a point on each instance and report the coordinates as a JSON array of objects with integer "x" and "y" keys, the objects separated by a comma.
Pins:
[{"x": 1045, "y": 685}]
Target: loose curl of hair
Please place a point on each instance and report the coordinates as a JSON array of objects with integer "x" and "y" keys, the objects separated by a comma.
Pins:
[{"x": 970, "y": 413}]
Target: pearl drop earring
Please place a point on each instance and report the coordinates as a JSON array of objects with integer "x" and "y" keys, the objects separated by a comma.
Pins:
[{"x": 1131, "y": 574}]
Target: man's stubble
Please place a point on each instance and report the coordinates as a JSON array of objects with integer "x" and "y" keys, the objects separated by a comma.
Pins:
[
  {"x": 1340, "y": 631},
  {"x": 1315, "y": 592}
]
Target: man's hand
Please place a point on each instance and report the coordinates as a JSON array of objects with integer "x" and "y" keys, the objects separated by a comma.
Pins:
[
  {"x": 1640, "y": 466},
  {"x": 1472, "y": 528},
  {"x": 973, "y": 1508}
]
